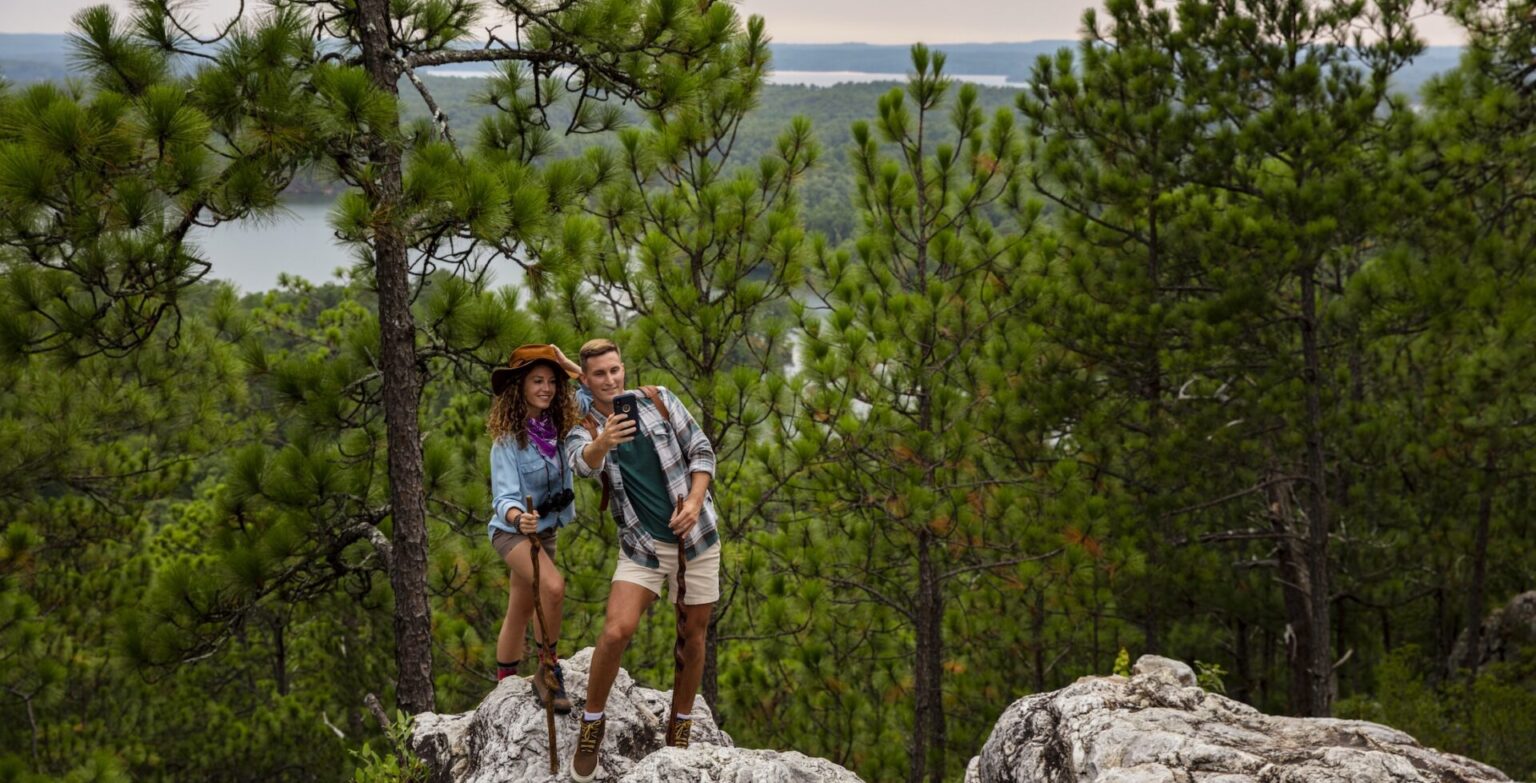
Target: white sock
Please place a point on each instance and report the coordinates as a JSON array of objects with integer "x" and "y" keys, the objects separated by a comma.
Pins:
[
  {"x": 681, "y": 716},
  {"x": 591, "y": 716}
]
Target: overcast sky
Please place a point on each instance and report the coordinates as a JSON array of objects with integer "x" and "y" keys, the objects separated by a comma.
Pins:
[{"x": 789, "y": 21}]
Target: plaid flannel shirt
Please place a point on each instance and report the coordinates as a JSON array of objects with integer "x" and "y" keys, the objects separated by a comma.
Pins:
[{"x": 683, "y": 450}]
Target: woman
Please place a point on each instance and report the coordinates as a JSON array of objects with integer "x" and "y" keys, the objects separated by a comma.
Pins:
[{"x": 532, "y": 409}]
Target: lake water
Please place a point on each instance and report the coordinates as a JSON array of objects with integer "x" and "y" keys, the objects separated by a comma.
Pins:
[
  {"x": 831, "y": 78},
  {"x": 297, "y": 241},
  {"x": 806, "y": 78}
]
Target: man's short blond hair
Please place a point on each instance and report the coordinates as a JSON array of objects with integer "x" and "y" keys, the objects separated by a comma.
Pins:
[{"x": 596, "y": 347}]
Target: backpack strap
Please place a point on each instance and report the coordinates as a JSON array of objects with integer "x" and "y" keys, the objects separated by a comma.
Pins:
[{"x": 654, "y": 395}]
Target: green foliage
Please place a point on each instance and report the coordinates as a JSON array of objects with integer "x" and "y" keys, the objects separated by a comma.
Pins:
[
  {"x": 397, "y": 764},
  {"x": 897, "y": 438},
  {"x": 1209, "y": 676},
  {"x": 507, "y": 124},
  {"x": 1049, "y": 385},
  {"x": 1123, "y": 663},
  {"x": 697, "y": 254},
  {"x": 1488, "y": 716}
]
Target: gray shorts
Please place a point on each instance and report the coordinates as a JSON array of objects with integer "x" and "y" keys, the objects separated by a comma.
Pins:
[{"x": 503, "y": 542}]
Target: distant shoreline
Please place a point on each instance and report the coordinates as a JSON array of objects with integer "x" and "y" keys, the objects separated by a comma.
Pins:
[
  {"x": 803, "y": 78},
  {"x": 33, "y": 57}
]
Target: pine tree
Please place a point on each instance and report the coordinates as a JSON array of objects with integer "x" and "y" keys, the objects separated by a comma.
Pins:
[
  {"x": 1212, "y": 166},
  {"x": 331, "y": 71},
  {"x": 702, "y": 252},
  {"x": 1449, "y": 307},
  {"x": 100, "y": 455},
  {"x": 892, "y": 367},
  {"x": 1485, "y": 136},
  {"x": 1133, "y": 301},
  {"x": 101, "y": 187},
  {"x": 1307, "y": 106}
]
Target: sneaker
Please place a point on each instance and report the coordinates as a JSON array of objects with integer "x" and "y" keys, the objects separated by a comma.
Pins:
[
  {"x": 584, "y": 763},
  {"x": 678, "y": 731},
  {"x": 549, "y": 686}
]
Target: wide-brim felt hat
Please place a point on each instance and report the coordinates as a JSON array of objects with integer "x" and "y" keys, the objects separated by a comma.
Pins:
[{"x": 524, "y": 357}]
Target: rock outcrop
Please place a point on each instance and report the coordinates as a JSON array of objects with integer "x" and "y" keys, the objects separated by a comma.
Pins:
[
  {"x": 706, "y": 764},
  {"x": 1508, "y": 630},
  {"x": 505, "y": 740},
  {"x": 1158, "y": 726}
]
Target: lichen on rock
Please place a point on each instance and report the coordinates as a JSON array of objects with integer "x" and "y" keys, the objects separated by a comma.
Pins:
[
  {"x": 505, "y": 739},
  {"x": 1157, "y": 726}
]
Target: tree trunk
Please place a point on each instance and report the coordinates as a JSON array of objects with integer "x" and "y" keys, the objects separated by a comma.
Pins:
[
  {"x": 1321, "y": 658},
  {"x": 1037, "y": 640},
  {"x": 1267, "y": 678},
  {"x": 1295, "y": 589},
  {"x": 1242, "y": 689},
  {"x": 929, "y": 738},
  {"x": 279, "y": 656},
  {"x": 1476, "y": 592},
  {"x": 1443, "y": 650},
  {"x": 402, "y": 390},
  {"x": 1386, "y": 628}
]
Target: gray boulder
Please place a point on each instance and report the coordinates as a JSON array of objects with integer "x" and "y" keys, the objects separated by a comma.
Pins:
[
  {"x": 714, "y": 764},
  {"x": 1157, "y": 726},
  {"x": 505, "y": 739},
  {"x": 1508, "y": 630}
]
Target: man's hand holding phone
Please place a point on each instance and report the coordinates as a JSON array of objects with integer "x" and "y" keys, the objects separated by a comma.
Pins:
[{"x": 621, "y": 426}]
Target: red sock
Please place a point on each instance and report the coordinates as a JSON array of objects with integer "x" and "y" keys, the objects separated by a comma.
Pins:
[{"x": 505, "y": 670}]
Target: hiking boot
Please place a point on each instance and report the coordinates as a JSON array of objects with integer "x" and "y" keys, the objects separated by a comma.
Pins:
[
  {"x": 584, "y": 763},
  {"x": 549, "y": 686},
  {"x": 678, "y": 731}
]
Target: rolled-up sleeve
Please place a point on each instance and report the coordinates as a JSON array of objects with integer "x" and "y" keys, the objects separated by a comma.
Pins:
[
  {"x": 506, "y": 483},
  {"x": 575, "y": 441},
  {"x": 696, "y": 446}
]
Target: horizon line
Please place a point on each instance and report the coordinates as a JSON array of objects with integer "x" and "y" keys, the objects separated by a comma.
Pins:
[{"x": 811, "y": 43}]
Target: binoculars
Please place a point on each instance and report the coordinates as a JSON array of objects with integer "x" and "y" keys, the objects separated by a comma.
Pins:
[{"x": 555, "y": 503}]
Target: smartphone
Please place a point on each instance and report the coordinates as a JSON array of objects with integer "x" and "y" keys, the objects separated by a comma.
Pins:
[{"x": 626, "y": 403}]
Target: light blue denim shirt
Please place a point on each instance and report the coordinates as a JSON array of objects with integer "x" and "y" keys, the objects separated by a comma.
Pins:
[{"x": 517, "y": 473}]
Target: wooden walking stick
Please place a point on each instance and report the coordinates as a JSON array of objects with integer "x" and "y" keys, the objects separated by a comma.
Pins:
[
  {"x": 538, "y": 610},
  {"x": 682, "y": 628},
  {"x": 682, "y": 590}
]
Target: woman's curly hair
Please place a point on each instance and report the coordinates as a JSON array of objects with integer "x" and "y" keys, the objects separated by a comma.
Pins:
[{"x": 509, "y": 410}]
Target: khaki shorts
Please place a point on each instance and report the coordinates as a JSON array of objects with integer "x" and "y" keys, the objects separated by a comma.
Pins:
[
  {"x": 702, "y": 579},
  {"x": 502, "y": 542}
]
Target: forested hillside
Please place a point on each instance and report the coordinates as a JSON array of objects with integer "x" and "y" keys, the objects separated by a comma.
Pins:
[
  {"x": 1206, "y": 343},
  {"x": 827, "y": 190}
]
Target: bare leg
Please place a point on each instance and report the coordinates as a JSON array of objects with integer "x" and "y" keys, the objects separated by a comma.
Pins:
[
  {"x": 509, "y": 643},
  {"x": 626, "y": 602},
  {"x": 520, "y": 601},
  {"x": 685, "y": 681}
]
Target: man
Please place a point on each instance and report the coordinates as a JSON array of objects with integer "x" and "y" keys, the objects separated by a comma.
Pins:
[{"x": 656, "y": 468}]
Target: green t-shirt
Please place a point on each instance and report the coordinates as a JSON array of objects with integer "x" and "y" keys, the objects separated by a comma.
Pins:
[{"x": 645, "y": 484}]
